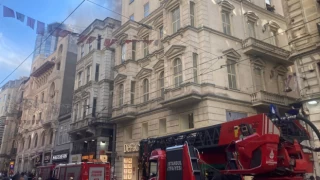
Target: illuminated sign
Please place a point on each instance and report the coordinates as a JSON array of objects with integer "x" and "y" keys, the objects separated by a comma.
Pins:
[
  {"x": 60, "y": 157},
  {"x": 132, "y": 147}
]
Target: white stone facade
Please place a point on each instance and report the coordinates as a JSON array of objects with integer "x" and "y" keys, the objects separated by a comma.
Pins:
[
  {"x": 215, "y": 61},
  {"x": 44, "y": 101}
]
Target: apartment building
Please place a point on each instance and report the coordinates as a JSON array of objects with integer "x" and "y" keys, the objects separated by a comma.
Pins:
[
  {"x": 47, "y": 96},
  {"x": 10, "y": 115},
  {"x": 90, "y": 130},
  {"x": 304, "y": 39},
  {"x": 183, "y": 65}
]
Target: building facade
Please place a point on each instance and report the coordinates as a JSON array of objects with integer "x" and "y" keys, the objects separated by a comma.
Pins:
[
  {"x": 195, "y": 63},
  {"x": 47, "y": 97},
  {"x": 90, "y": 130},
  {"x": 304, "y": 38},
  {"x": 10, "y": 99}
]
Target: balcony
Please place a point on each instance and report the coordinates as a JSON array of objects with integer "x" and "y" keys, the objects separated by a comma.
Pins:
[
  {"x": 126, "y": 112},
  {"x": 264, "y": 99},
  {"x": 84, "y": 147},
  {"x": 185, "y": 94},
  {"x": 42, "y": 69},
  {"x": 79, "y": 125},
  {"x": 254, "y": 47}
]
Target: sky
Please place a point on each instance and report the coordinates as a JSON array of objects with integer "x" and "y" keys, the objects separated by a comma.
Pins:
[{"x": 17, "y": 40}]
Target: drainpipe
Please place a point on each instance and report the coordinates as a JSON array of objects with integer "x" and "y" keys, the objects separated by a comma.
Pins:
[
  {"x": 113, "y": 156},
  {"x": 243, "y": 21}
]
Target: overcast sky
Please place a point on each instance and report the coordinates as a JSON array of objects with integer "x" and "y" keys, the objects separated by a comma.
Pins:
[{"x": 17, "y": 40}]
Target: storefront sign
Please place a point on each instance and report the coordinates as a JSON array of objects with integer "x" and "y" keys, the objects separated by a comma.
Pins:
[
  {"x": 127, "y": 168},
  {"x": 96, "y": 173},
  {"x": 104, "y": 158},
  {"x": 76, "y": 158},
  {"x": 132, "y": 147},
  {"x": 60, "y": 157},
  {"x": 37, "y": 160},
  {"x": 47, "y": 157},
  {"x": 11, "y": 164}
]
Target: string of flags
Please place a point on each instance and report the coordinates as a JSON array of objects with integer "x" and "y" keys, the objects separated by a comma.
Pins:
[{"x": 32, "y": 23}]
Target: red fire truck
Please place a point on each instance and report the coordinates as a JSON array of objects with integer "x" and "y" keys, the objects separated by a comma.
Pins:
[
  {"x": 266, "y": 147},
  {"x": 76, "y": 171}
]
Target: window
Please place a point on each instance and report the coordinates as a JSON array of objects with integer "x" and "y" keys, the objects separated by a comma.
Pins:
[
  {"x": 22, "y": 145},
  {"x": 96, "y": 77},
  {"x": 161, "y": 32},
  {"x": 82, "y": 50},
  {"x": 79, "y": 78},
  {"x": 90, "y": 46},
  {"x": 146, "y": 46},
  {"x": 153, "y": 168},
  {"x": 33, "y": 119},
  {"x": 195, "y": 67},
  {"x": 36, "y": 140},
  {"x": 192, "y": 12},
  {"x": 177, "y": 72},
  {"x": 258, "y": 78},
  {"x": 133, "y": 86},
  {"x": 60, "y": 135},
  {"x": 128, "y": 133},
  {"x": 76, "y": 111},
  {"x": 175, "y": 20},
  {"x": 123, "y": 52},
  {"x": 161, "y": 84},
  {"x": 134, "y": 44},
  {"x": 231, "y": 68},
  {"x": 43, "y": 136},
  {"x": 132, "y": 17},
  {"x": 58, "y": 66},
  {"x": 162, "y": 126},
  {"x": 4, "y": 97},
  {"x": 36, "y": 101},
  {"x": 145, "y": 90},
  {"x": 94, "y": 107},
  {"x": 235, "y": 115},
  {"x": 99, "y": 42},
  {"x": 121, "y": 91},
  {"x": 85, "y": 107},
  {"x": 251, "y": 29},
  {"x": 42, "y": 97},
  {"x": 146, "y": 9},
  {"x": 226, "y": 22},
  {"x": 144, "y": 130},
  {"x": 131, "y": 1},
  {"x": 29, "y": 142},
  {"x": 88, "y": 73},
  {"x": 273, "y": 38},
  {"x": 187, "y": 121},
  {"x": 51, "y": 137},
  {"x": 268, "y": 2},
  {"x": 40, "y": 116}
]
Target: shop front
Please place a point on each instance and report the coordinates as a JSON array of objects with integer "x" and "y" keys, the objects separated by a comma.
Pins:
[
  {"x": 60, "y": 157},
  {"x": 47, "y": 158},
  {"x": 130, "y": 170}
]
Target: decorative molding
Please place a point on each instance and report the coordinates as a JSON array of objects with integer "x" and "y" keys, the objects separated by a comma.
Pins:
[
  {"x": 170, "y": 5},
  {"x": 142, "y": 32},
  {"x": 159, "y": 65},
  {"x": 232, "y": 54},
  {"x": 251, "y": 16},
  {"x": 281, "y": 69},
  {"x": 119, "y": 78},
  {"x": 175, "y": 50},
  {"x": 274, "y": 26},
  {"x": 158, "y": 22},
  {"x": 226, "y": 5},
  {"x": 143, "y": 73}
]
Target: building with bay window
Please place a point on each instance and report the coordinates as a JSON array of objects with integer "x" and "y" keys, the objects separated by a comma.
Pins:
[
  {"x": 90, "y": 129},
  {"x": 47, "y": 99},
  {"x": 182, "y": 65}
]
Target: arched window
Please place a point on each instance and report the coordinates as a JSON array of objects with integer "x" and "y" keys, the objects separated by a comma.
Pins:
[
  {"x": 22, "y": 145},
  {"x": 145, "y": 90},
  {"x": 161, "y": 84},
  {"x": 177, "y": 72},
  {"x": 121, "y": 91},
  {"x": 35, "y": 140},
  {"x": 52, "y": 90},
  {"x": 29, "y": 142},
  {"x": 43, "y": 139}
]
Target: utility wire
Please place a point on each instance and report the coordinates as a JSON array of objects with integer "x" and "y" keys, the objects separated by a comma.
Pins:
[{"x": 42, "y": 42}]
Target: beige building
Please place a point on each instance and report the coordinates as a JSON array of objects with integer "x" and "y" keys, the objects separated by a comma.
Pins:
[
  {"x": 10, "y": 99},
  {"x": 210, "y": 61},
  {"x": 91, "y": 132},
  {"x": 304, "y": 40},
  {"x": 47, "y": 96}
]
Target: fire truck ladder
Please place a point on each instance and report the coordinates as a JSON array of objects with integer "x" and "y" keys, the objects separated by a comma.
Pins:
[{"x": 193, "y": 154}]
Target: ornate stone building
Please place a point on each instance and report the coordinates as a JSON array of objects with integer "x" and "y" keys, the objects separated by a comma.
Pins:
[
  {"x": 304, "y": 39},
  {"x": 183, "y": 65},
  {"x": 47, "y": 96},
  {"x": 91, "y": 132}
]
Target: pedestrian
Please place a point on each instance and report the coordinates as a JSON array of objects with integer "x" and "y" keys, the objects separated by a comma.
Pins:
[{"x": 16, "y": 176}]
